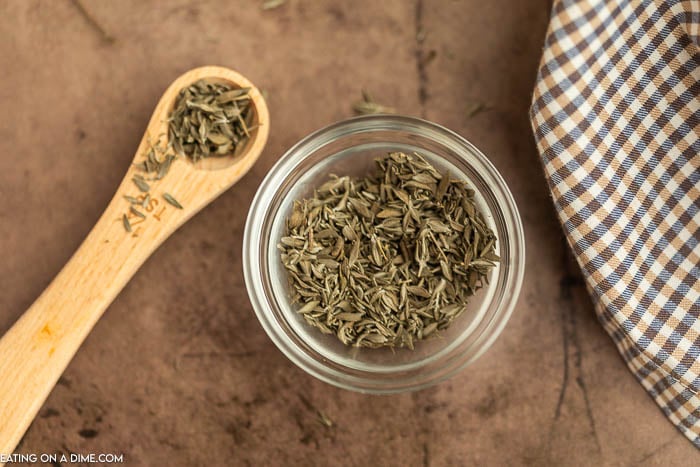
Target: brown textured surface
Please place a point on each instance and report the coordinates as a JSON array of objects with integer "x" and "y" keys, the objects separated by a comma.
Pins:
[{"x": 178, "y": 371}]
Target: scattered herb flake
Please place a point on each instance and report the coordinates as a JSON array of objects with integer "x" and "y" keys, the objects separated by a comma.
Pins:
[
  {"x": 141, "y": 183},
  {"x": 170, "y": 199},
  {"x": 136, "y": 212},
  {"x": 324, "y": 419},
  {"x": 368, "y": 106},
  {"x": 272, "y": 4},
  {"x": 127, "y": 224},
  {"x": 475, "y": 108}
]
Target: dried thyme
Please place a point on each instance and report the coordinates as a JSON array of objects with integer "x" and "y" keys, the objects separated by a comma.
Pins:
[
  {"x": 388, "y": 259},
  {"x": 127, "y": 224},
  {"x": 210, "y": 119},
  {"x": 474, "y": 108},
  {"x": 368, "y": 106},
  {"x": 171, "y": 200},
  {"x": 137, "y": 213},
  {"x": 141, "y": 183},
  {"x": 272, "y": 4}
]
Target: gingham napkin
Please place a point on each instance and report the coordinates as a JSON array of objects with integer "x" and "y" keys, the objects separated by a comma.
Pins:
[{"x": 616, "y": 115}]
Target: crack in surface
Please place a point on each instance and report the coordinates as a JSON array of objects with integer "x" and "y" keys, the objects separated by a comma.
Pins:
[
  {"x": 653, "y": 452},
  {"x": 104, "y": 35},
  {"x": 582, "y": 384},
  {"x": 565, "y": 375},
  {"x": 421, "y": 59},
  {"x": 571, "y": 345}
]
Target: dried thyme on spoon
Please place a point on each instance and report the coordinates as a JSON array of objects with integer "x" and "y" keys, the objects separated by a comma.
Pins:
[
  {"x": 210, "y": 119},
  {"x": 388, "y": 259}
]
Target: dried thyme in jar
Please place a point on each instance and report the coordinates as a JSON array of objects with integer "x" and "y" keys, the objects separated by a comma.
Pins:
[{"x": 388, "y": 259}]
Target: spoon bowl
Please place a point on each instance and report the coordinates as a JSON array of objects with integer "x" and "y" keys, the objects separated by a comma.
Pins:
[{"x": 38, "y": 347}]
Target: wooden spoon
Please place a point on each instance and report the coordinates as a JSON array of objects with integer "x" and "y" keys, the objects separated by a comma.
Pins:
[{"x": 36, "y": 350}]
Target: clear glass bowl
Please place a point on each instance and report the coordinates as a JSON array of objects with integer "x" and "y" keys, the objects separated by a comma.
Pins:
[{"x": 349, "y": 148}]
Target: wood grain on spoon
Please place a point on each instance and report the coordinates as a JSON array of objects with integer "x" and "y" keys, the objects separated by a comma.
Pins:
[{"x": 36, "y": 350}]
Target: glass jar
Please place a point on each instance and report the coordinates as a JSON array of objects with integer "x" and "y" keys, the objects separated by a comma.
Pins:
[{"x": 349, "y": 148}]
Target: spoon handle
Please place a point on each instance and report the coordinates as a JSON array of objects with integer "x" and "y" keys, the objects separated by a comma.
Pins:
[
  {"x": 37, "y": 349},
  {"x": 40, "y": 345}
]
